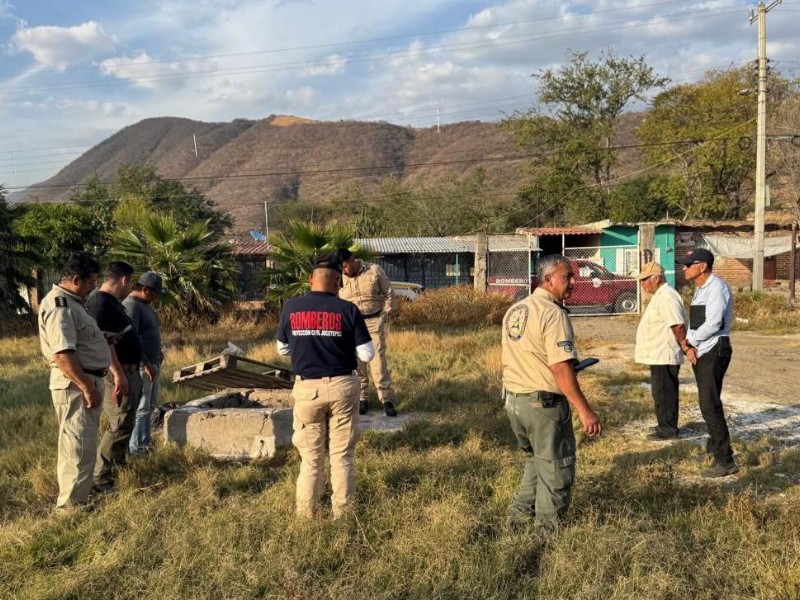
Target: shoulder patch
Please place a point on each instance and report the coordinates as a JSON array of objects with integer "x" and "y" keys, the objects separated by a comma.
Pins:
[
  {"x": 516, "y": 321},
  {"x": 566, "y": 345},
  {"x": 61, "y": 301}
]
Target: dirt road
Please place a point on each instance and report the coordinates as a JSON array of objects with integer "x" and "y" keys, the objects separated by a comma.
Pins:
[{"x": 764, "y": 367}]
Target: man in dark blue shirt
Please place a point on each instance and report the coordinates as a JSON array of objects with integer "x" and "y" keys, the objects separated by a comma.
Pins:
[{"x": 325, "y": 337}]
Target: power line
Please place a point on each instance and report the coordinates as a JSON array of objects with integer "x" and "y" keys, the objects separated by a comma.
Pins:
[
  {"x": 384, "y": 39},
  {"x": 372, "y": 169},
  {"x": 374, "y": 57}
]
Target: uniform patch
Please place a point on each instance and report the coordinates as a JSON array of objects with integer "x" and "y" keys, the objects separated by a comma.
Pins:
[
  {"x": 61, "y": 301},
  {"x": 566, "y": 345},
  {"x": 516, "y": 321}
]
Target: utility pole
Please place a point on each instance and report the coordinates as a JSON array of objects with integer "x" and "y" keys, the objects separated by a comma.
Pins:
[
  {"x": 266, "y": 221},
  {"x": 761, "y": 143}
]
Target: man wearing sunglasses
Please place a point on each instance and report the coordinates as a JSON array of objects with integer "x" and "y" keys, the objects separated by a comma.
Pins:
[{"x": 708, "y": 348}]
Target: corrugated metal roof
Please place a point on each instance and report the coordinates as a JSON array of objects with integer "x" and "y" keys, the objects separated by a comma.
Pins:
[
  {"x": 544, "y": 231},
  {"x": 249, "y": 248},
  {"x": 444, "y": 245}
]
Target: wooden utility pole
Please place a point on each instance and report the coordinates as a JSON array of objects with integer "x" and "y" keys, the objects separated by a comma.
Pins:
[
  {"x": 793, "y": 262},
  {"x": 481, "y": 256},
  {"x": 761, "y": 144}
]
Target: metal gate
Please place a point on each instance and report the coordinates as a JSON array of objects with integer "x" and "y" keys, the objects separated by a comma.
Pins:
[
  {"x": 509, "y": 265},
  {"x": 605, "y": 280}
]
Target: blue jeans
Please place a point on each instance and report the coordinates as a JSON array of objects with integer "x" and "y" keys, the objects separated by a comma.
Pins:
[{"x": 140, "y": 438}]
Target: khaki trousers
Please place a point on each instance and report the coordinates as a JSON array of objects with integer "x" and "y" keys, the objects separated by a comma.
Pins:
[
  {"x": 77, "y": 444},
  {"x": 378, "y": 366},
  {"x": 326, "y": 422},
  {"x": 113, "y": 449}
]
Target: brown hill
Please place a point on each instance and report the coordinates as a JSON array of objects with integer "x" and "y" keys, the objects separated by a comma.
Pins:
[{"x": 243, "y": 163}]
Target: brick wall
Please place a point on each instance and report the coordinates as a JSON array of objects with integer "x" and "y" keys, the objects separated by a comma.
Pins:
[{"x": 784, "y": 267}]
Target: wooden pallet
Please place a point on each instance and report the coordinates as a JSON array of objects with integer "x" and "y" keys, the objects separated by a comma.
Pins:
[{"x": 228, "y": 371}]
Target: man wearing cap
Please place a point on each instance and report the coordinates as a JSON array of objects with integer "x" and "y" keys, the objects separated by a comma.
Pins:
[
  {"x": 123, "y": 383},
  {"x": 367, "y": 286},
  {"x": 708, "y": 348},
  {"x": 659, "y": 337},
  {"x": 138, "y": 304},
  {"x": 325, "y": 337},
  {"x": 539, "y": 385},
  {"x": 79, "y": 356}
]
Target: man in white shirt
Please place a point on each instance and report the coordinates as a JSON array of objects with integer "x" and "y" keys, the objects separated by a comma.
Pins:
[{"x": 659, "y": 338}]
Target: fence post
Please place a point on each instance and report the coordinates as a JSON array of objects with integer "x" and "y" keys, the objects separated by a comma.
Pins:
[
  {"x": 481, "y": 255},
  {"x": 793, "y": 270}
]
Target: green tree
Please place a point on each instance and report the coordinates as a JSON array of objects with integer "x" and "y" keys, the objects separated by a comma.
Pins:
[
  {"x": 714, "y": 128},
  {"x": 17, "y": 258},
  {"x": 59, "y": 230},
  {"x": 641, "y": 199},
  {"x": 294, "y": 251},
  {"x": 197, "y": 267},
  {"x": 142, "y": 183},
  {"x": 572, "y": 127},
  {"x": 458, "y": 205}
]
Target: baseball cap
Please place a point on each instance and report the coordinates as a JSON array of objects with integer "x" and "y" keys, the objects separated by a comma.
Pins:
[
  {"x": 697, "y": 255},
  {"x": 650, "y": 269},
  {"x": 152, "y": 280},
  {"x": 329, "y": 261}
]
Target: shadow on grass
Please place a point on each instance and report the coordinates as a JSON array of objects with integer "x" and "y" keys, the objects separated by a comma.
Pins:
[{"x": 647, "y": 482}]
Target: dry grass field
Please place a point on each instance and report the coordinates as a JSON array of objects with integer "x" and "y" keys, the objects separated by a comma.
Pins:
[{"x": 431, "y": 499}]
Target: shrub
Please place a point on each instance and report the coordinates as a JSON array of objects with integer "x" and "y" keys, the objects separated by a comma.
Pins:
[
  {"x": 458, "y": 305},
  {"x": 764, "y": 311}
]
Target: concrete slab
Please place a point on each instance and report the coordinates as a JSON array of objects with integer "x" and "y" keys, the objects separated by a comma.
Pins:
[
  {"x": 230, "y": 433},
  {"x": 239, "y": 424},
  {"x": 377, "y": 421}
]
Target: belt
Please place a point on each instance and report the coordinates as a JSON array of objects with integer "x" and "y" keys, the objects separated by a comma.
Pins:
[
  {"x": 373, "y": 315},
  {"x": 547, "y": 398},
  {"x": 304, "y": 378},
  {"x": 96, "y": 372}
]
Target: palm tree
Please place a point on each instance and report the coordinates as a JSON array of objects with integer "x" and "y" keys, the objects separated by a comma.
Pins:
[
  {"x": 17, "y": 258},
  {"x": 197, "y": 268},
  {"x": 292, "y": 255}
]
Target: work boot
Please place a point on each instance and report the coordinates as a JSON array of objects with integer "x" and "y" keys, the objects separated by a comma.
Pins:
[
  {"x": 720, "y": 470},
  {"x": 363, "y": 407},
  {"x": 103, "y": 487},
  {"x": 388, "y": 409},
  {"x": 659, "y": 436}
]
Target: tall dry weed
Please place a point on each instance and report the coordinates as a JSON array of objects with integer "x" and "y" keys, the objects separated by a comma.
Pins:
[{"x": 457, "y": 305}]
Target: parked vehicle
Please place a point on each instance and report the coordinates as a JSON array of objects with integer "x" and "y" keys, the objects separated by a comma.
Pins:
[
  {"x": 406, "y": 292},
  {"x": 598, "y": 289}
]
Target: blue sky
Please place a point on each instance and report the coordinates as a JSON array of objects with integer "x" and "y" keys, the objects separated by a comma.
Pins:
[{"x": 73, "y": 73}]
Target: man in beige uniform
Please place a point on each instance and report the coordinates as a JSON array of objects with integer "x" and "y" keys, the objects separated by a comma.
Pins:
[
  {"x": 367, "y": 286},
  {"x": 539, "y": 384},
  {"x": 79, "y": 357}
]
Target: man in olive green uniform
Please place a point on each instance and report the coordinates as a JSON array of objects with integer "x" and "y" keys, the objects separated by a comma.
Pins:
[
  {"x": 539, "y": 386},
  {"x": 79, "y": 356},
  {"x": 367, "y": 286}
]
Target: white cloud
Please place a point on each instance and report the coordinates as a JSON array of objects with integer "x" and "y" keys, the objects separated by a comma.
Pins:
[
  {"x": 146, "y": 72},
  {"x": 302, "y": 97},
  {"x": 72, "y": 106},
  {"x": 333, "y": 65},
  {"x": 60, "y": 47}
]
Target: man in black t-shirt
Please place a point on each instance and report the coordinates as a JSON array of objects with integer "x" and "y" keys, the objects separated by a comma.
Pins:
[
  {"x": 325, "y": 337},
  {"x": 123, "y": 382}
]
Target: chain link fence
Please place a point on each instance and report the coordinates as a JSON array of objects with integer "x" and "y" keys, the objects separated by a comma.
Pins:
[
  {"x": 604, "y": 280},
  {"x": 509, "y": 269}
]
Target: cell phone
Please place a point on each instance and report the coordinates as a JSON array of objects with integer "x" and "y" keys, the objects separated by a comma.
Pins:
[
  {"x": 586, "y": 362},
  {"x": 114, "y": 337}
]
